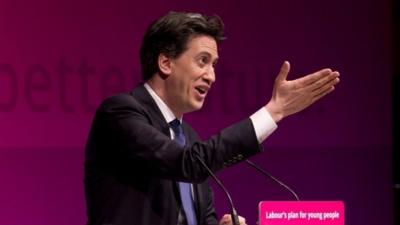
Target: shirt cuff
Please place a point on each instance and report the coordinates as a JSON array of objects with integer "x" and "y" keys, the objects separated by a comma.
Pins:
[{"x": 263, "y": 124}]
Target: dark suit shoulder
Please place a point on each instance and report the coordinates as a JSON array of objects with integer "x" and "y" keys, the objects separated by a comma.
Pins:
[
  {"x": 121, "y": 104},
  {"x": 122, "y": 99}
]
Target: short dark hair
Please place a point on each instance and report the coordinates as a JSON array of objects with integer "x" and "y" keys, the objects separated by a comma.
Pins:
[{"x": 170, "y": 34}]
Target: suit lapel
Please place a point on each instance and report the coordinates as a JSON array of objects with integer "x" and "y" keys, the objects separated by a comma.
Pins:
[
  {"x": 158, "y": 121},
  {"x": 156, "y": 118},
  {"x": 198, "y": 195}
]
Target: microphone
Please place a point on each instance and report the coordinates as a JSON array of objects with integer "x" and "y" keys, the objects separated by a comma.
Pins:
[
  {"x": 273, "y": 178},
  {"x": 234, "y": 215}
]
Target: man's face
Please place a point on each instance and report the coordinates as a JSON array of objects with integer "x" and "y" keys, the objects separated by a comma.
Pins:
[{"x": 192, "y": 75}]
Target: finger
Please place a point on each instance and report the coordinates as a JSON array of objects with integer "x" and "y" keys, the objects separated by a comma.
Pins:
[
  {"x": 323, "y": 93},
  {"x": 242, "y": 220},
  {"x": 226, "y": 216},
  {"x": 325, "y": 80},
  {"x": 312, "y": 78},
  {"x": 225, "y": 219},
  {"x": 317, "y": 91},
  {"x": 285, "y": 68}
]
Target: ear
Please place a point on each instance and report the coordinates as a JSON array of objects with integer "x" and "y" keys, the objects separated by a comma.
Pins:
[{"x": 164, "y": 64}]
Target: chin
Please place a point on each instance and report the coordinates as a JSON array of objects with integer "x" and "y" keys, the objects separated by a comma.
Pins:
[{"x": 195, "y": 106}]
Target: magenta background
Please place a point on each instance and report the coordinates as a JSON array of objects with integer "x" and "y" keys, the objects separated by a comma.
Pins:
[{"x": 339, "y": 149}]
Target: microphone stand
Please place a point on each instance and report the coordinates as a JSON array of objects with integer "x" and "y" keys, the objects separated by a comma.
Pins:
[
  {"x": 234, "y": 215},
  {"x": 259, "y": 169}
]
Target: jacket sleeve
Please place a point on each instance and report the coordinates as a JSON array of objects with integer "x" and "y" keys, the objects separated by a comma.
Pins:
[{"x": 125, "y": 132}]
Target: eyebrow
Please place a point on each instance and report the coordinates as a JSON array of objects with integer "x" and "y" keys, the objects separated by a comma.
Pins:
[{"x": 208, "y": 54}]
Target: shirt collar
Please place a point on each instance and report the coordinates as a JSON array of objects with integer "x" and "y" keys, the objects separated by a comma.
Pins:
[{"x": 165, "y": 110}]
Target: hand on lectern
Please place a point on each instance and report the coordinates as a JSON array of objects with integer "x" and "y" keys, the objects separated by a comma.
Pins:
[{"x": 227, "y": 220}]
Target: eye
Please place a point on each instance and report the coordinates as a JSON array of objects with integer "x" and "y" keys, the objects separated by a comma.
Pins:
[{"x": 204, "y": 60}]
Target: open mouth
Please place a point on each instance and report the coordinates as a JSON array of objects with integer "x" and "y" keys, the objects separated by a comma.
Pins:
[{"x": 201, "y": 90}]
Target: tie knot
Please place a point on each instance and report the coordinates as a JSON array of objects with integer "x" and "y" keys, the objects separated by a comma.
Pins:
[{"x": 176, "y": 126}]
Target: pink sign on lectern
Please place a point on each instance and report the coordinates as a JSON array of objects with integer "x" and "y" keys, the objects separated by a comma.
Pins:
[{"x": 301, "y": 213}]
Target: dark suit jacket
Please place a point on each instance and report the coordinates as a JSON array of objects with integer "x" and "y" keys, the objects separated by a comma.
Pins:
[{"x": 132, "y": 165}]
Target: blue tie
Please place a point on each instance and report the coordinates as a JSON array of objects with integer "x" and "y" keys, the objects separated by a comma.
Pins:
[{"x": 184, "y": 188}]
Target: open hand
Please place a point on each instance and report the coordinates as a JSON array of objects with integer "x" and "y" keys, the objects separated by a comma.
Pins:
[{"x": 292, "y": 96}]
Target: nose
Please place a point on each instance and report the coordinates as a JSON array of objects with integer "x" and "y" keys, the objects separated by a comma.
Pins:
[{"x": 209, "y": 77}]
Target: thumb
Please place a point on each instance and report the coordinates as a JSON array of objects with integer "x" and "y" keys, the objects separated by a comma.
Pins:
[{"x": 285, "y": 68}]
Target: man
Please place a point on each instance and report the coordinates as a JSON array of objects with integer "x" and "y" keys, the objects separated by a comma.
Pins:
[{"x": 142, "y": 163}]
